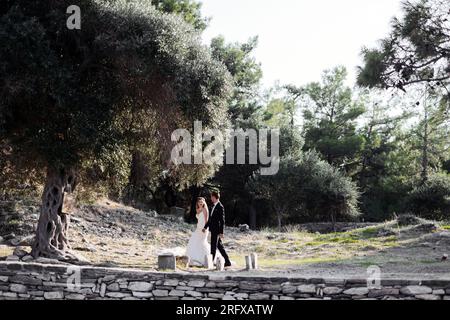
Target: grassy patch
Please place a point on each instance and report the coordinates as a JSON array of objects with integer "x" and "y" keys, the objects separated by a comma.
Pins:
[
  {"x": 427, "y": 261},
  {"x": 268, "y": 262}
]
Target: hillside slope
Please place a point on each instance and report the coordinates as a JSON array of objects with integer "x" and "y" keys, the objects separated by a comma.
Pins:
[{"x": 111, "y": 234}]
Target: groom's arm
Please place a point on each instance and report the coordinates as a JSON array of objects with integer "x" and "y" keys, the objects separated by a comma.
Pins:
[{"x": 222, "y": 219}]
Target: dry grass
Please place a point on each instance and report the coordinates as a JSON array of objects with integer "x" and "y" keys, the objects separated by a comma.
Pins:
[{"x": 111, "y": 234}]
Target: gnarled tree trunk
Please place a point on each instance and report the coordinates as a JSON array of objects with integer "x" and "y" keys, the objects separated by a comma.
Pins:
[{"x": 51, "y": 235}]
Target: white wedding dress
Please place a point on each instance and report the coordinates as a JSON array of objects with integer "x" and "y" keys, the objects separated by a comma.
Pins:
[{"x": 198, "y": 247}]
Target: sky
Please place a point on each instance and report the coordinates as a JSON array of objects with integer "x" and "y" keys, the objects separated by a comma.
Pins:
[{"x": 298, "y": 39}]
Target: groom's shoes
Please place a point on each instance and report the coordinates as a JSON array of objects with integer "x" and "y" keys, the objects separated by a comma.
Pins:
[{"x": 228, "y": 264}]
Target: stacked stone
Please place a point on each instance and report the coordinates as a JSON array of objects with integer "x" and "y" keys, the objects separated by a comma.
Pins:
[{"x": 34, "y": 281}]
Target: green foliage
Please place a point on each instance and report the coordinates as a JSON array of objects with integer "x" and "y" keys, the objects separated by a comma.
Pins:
[
  {"x": 243, "y": 109},
  {"x": 70, "y": 96},
  {"x": 432, "y": 199},
  {"x": 308, "y": 189},
  {"x": 330, "y": 117},
  {"x": 247, "y": 75},
  {"x": 416, "y": 50},
  {"x": 387, "y": 161},
  {"x": 190, "y": 11}
]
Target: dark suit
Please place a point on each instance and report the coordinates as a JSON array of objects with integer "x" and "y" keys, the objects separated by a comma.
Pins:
[{"x": 215, "y": 224}]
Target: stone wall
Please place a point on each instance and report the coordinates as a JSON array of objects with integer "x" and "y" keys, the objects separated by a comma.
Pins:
[{"x": 39, "y": 281}]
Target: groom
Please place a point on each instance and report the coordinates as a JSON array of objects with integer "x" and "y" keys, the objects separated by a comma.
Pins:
[{"x": 215, "y": 224}]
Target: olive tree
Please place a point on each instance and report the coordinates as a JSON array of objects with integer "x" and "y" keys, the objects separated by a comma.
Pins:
[{"x": 128, "y": 77}]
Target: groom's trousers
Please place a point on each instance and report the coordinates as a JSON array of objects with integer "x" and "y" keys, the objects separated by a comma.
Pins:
[{"x": 216, "y": 243}]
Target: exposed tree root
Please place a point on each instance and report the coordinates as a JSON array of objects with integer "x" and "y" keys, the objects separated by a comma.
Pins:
[{"x": 52, "y": 231}]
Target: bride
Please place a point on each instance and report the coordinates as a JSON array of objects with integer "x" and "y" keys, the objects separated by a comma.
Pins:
[{"x": 198, "y": 247}]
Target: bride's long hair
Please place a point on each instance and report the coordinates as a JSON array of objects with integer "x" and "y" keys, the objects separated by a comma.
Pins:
[{"x": 201, "y": 204}]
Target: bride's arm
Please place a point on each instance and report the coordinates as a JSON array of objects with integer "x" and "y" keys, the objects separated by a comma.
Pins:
[{"x": 206, "y": 213}]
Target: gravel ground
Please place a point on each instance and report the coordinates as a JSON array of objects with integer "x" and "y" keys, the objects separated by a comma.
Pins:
[{"x": 111, "y": 234}]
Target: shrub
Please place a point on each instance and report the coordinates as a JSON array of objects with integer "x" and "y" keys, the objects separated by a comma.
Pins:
[
  {"x": 432, "y": 199},
  {"x": 307, "y": 189}
]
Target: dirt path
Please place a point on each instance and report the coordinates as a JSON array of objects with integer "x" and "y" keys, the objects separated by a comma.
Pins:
[{"x": 110, "y": 234}]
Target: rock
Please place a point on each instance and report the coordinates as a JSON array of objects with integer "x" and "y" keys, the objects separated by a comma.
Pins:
[
  {"x": 415, "y": 290},
  {"x": 444, "y": 257},
  {"x": 27, "y": 241},
  {"x": 215, "y": 295},
  {"x": 250, "y": 286},
  {"x": 188, "y": 298},
  {"x": 444, "y": 234},
  {"x": 27, "y": 258},
  {"x": 330, "y": 291},
  {"x": 9, "y": 295},
  {"x": 15, "y": 241},
  {"x": 12, "y": 258},
  {"x": 176, "y": 293},
  {"x": 259, "y": 296},
  {"x": 286, "y": 298},
  {"x": 19, "y": 288},
  {"x": 383, "y": 292},
  {"x": 3, "y": 278},
  {"x": 139, "y": 294},
  {"x": 102, "y": 290},
  {"x": 113, "y": 287},
  {"x": 428, "y": 297},
  {"x": 109, "y": 278},
  {"x": 25, "y": 279},
  {"x": 160, "y": 293},
  {"x": 357, "y": 291},
  {"x": 196, "y": 283},
  {"x": 20, "y": 252},
  {"x": 75, "y": 296},
  {"x": 439, "y": 292},
  {"x": 140, "y": 286},
  {"x": 244, "y": 227},
  {"x": 1, "y": 239},
  {"x": 117, "y": 295},
  {"x": 194, "y": 294},
  {"x": 54, "y": 295},
  {"x": 307, "y": 288},
  {"x": 241, "y": 295},
  {"x": 228, "y": 298},
  {"x": 287, "y": 289},
  {"x": 171, "y": 283},
  {"x": 271, "y": 287},
  {"x": 166, "y": 262}
]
